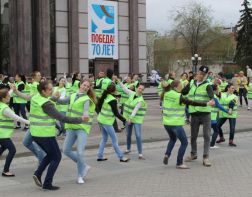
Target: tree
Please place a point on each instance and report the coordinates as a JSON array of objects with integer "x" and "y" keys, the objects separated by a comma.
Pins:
[
  {"x": 193, "y": 23},
  {"x": 243, "y": 55}
]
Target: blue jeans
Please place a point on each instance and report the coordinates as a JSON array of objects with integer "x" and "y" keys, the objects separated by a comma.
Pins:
[
  {"x": 77, "y": 156},
  {"x": 33, "y": 146},
  {"x": 176, "y": 132},
  {"x": 108, "y": 130},
  {"x": 232, "y": 123},
  {"x": 215, "y": 133},
  {"x": 52, "y": 158},
  {"x": 137, "y": 127},
  {"x": 7, "y": 144},
  {"x": 61, "y": 125}
]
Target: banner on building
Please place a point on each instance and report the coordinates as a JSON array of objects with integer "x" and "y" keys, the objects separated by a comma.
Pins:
[{"x": 102, "y": 29}]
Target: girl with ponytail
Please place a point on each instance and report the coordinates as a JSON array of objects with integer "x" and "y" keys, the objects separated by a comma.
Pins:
[{"x": 107, "y": 109}]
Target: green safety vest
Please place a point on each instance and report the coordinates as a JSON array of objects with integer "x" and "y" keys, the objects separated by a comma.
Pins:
[
  {"x": 6, "y": 124},
  {"x": 98, "y": 92},
  {"x": 130, "y": 105},
  {"x": 159, "y": 89},
  {"x": 173, "y": 112},
  {"x": 223, "y": 85},
  {"x": 68, "y": 89},
  {"x": 184, "y": 82},
  {"x": 199, "y": 94},
  {"x": 169, "y": 81},
  {"x": 16, "y": 98},
  {"x": 135, "y": 83},
  {"x": 34, "y": 88},
  {"x": 119, "y": 89},
  {"x": 215, "y": 111},
  {"x": 106, "y": 116},
  {"x": 76, "y": 110},
  {"x": 27, "y": 89},
  {"x": 125, "y": 96},
  {"x": 105, "y": 83},
  {"x": 61, "y": 107},
  {"x": 224, "y": 101},
  {"x": 75, "y": 87},
  {"x": 41, "y": 125},
  {"x": 249, "y": 94}
]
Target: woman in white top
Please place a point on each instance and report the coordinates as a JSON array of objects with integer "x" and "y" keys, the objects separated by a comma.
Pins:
[{"x": 7, "y": 117}]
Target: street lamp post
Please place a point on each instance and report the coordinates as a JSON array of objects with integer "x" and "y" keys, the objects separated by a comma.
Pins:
[
  {"x": 195, "y": 60},
  {"x": 183, "y": 63}
]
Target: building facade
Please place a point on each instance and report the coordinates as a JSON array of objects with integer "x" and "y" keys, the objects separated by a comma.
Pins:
[{"x": 66, "y": 36}]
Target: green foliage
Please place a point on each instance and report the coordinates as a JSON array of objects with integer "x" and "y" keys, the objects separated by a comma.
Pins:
[{"x": 243, "y": 54}]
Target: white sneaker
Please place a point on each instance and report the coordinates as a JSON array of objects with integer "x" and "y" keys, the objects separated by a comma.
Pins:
[
  {"x": 214, "y": 147},
  {"x": 249, "y": 108},
  {"x": 87, "y": 169},
  {"x": 80, "y": 180}
]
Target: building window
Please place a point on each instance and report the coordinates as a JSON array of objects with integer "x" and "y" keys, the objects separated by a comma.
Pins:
[{"x": 4, "y": 36}]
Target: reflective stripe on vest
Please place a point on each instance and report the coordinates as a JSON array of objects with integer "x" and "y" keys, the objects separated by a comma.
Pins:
[
  {"x": 199, "y": 93},
  {"x": 6, "y": 124},
  {"x": 16, "y": 98},
  {"x": 225, "y": 101},
  {"x": 34, "y": 88},
  {"x": 74, "y": 88},
  {"x": 223, "y": 85},
  {"x": 159, "y": 89},
  {"x": 41, "y": 125},
  {"x": 61, "y": 107},
  {"x": 125, "y": 96},
  {"x": 173, "y": 112},
  {"x": 106, "y": 116},
  {"x": 249, "y": 95},
  {"x": 76, "y": 110},
  {"x": 98, "y": 92},
  {"x": 130, "y": 105}
]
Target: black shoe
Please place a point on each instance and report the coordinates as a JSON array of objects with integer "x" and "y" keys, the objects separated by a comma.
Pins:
[
  {"x": 51, "y": 187},
  {"x": 37, "y": 180},
  {"x": 4, "y": 174},
  {"x": 220, "y": 140},
  {"x": 17, "y": 127},
  {"x": 124, "y": 159},
  {"x": 231, "y": 143},
  {"x": 102, "y": 159},
  {"x": 118, "y": 131},
  {"x": 165, "y": 160}
]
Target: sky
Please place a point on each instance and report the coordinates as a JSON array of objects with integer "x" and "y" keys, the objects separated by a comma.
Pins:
[{"x": 159, "y": 12}]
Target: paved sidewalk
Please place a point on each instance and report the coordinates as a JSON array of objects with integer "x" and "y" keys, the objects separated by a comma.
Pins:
[
  {"x": 229, "y": 176},
  {"x": 152, "y": 129}
]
